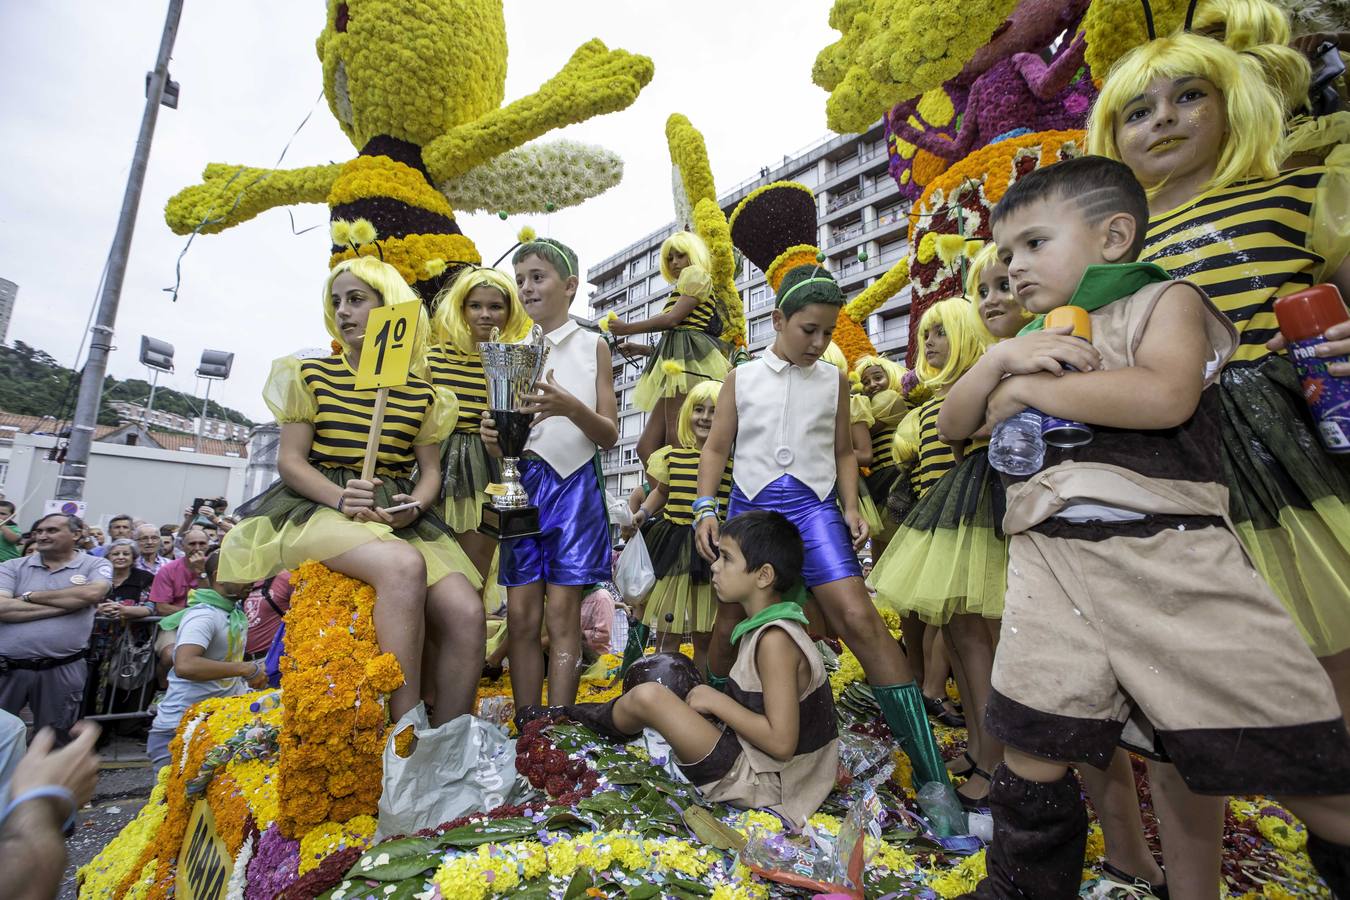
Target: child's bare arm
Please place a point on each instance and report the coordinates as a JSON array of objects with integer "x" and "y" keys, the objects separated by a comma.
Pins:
[
  {"x": 713, "y": 462},
  {"x": 846, "y": 468},
  {"x": 963, "y": 412},
  {"x": 776, "y": 731},
  {"x": 600, "y": 425},
  {"x": 1161, "y": 389},
  {"x": 665, "y": 321}
]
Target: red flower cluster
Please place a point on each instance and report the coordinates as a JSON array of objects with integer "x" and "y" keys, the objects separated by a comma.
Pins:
[{"x": 550, "y": 770}]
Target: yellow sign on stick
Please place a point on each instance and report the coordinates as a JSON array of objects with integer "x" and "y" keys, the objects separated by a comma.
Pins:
[
  {"x": 204, "y": 865},
  {"x": 386, "y": 353}
]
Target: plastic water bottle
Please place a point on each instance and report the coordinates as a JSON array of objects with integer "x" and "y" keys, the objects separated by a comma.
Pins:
[
  {"x": 268, "y": 701},
  {"x": 1059, "y": 432},
  {"x": 1016, "y": 446},
  {"x": 1303, "y": 317}
]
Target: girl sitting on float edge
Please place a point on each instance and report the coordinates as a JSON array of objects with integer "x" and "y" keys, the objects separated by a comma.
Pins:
[
  {"x": 322, "y": 509},
  {"x": 691, "y": 348},
  {"x": 789, "y": 421}
]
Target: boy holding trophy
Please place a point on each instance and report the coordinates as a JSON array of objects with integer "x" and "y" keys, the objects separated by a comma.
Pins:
[{"x": 572, "y": 415}]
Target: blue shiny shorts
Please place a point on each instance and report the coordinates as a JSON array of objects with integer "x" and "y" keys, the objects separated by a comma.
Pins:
[
  {"x": 572, "y": 547},
  {"x": 829, "y": 548}
]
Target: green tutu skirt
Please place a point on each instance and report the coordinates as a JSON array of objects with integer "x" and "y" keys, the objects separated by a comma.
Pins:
[
  {"x": 467, "y": 470},
  {"x": 280, "y": 529},
  {"x": 683, "y": 589},
  {"x": 873, "y": 489},
  {"x": 949, "y": 556},
  {"x": 1288, "y": 498},
  {"x": 683, "y": 358}
]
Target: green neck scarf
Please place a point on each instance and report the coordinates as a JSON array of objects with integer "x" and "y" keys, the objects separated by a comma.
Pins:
[
  {"x": 207, "y": 597},
  {"x": 1105, "y": 284},
  {"x": 784, "y": 609}
]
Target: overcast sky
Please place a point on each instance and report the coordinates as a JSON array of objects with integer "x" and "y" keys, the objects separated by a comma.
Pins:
[{"x": 71, "y": 99}]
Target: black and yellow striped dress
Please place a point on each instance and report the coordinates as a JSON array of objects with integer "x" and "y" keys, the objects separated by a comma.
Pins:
[
  {"x": 691, "y": 351},
  {"x": 949, "y": 556},
  {"x": 683, "y": 587},
  {"x": 1247, "y": 244},
  {"x": 467, "y": 469},
  {"x": 282, "y": 529}
]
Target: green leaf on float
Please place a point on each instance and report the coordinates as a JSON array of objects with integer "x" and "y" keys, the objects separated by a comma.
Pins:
[
  {"x": 488, "y": 832},
  {"x": 396, "y": 860},
  {"x": 712, "y": 831}
]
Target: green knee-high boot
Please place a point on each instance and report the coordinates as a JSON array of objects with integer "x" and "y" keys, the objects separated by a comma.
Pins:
[
  {"x": 902, "y": 706},
  {"x": 638, "y": 635}
]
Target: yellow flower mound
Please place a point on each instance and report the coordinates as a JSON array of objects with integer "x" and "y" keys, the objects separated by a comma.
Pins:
[
  {"x": 1114, "y": 29},
  {"x": 368, "y": 177},
  {"x": 491, "y": 871},
  {"x": 100, "y": 877},
  {"x": 891, "y": 51},
  {"x": 330, "y": 836}
]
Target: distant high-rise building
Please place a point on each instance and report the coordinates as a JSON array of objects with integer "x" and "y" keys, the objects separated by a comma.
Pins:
[
  {"x": 859, "y": 208},
  {"x": 8, "y": 292}
]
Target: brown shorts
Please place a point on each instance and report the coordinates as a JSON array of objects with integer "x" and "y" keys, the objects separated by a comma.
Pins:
[{"x": 1174, "y": 630}]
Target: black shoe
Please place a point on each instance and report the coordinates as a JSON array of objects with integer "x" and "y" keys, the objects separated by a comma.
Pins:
[
  {"x": 1120, "y": 876},
  {"x": 975, "y": 804},
  {"x": 937, "y": 709}
]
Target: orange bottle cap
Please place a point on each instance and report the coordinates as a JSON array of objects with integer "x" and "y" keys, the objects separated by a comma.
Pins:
[
  {"x": 1307, "y": 313},
  {"x": 1074, "y": 317}
]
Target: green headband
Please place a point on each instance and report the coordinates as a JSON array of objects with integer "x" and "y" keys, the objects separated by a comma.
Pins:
[
  {"x": 557, "y": 248},
  {"x": 788, "y": 293}
]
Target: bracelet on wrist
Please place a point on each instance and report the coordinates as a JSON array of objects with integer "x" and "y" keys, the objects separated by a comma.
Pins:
[
  {"x": 339, "y": 503},
  {"x": 55, "y": 791},
  {"x": 705, "y": 513}
]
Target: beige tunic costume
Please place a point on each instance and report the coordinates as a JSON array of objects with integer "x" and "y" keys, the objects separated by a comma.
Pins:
[
  {"x": 737, "y": 773},
  {"x": 1130, "y": 599}
]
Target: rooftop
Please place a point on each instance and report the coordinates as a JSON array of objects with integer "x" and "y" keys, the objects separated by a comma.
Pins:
[{"x": 11, "y": 423}]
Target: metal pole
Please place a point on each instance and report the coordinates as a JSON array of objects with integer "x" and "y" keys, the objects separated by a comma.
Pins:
[
  {"x": 70, "y": 486},
  {"x": 201, "y": 423},
  {"x": 150, "y": 403}
]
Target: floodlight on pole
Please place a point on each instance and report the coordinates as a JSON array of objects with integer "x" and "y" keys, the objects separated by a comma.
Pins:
[
  {"x": 215, "y": 366},
  {"x": 157, "y": 356}
]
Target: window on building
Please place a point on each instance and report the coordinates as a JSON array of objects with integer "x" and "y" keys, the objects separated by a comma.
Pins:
[
  {"x": 630, "y": 457},
  {"x": 638, "y": 291},
  {"x": 759, "y": 296},
  {"x": 654, "y": 258},
  {"x": 628, "y": 481},
  {"x": 630, "y": 426},
  {"x": 612, "y": 484},
  {"x": 761, "y": 329}
]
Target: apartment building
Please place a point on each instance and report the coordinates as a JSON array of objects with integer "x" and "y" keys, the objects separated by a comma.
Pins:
[{"x": 862, "y": 222}]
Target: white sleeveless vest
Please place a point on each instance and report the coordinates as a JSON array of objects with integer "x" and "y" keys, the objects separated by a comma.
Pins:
[
  {"x": 571, "y": 358},
  {"x": 785, "y": 424}
]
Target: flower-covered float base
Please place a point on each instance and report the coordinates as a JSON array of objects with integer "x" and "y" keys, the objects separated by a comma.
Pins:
[{"x": 602, "y": 821}]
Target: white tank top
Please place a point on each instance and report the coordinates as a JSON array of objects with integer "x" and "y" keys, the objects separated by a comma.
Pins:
[
  {"x": 785, "y": 418},
  {"x": 571, "y": 358}
]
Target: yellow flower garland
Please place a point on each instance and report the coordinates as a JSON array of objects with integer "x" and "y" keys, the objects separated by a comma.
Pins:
[{"x": 891, "y": 52}]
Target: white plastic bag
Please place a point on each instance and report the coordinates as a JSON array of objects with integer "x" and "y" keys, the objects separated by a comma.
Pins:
[
  {"x": 619, "y": 513},
  {"x": 633, "y": 572},
  {"x": 466, "y": 765}
]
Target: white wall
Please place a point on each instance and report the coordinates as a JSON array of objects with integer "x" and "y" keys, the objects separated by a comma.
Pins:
[{"x": 140, "y": 481}]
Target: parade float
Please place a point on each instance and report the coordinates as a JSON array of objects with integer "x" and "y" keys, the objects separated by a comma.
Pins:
[
  {"x": 418, "y": 87},
  {"x": 276, "y": 794}
]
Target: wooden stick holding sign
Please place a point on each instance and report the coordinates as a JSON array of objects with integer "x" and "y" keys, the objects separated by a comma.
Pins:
[{"x": 386, "y": 357}]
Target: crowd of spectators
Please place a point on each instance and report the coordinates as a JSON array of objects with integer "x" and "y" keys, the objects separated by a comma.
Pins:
[{"x": 81, "y": 609}]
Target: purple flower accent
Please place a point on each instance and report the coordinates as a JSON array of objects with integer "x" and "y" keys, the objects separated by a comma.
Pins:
[{"x": 274, "y": 867}]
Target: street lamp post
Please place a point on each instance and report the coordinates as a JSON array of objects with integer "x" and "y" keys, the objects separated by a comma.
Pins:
[{"x": 70, "y": 485}]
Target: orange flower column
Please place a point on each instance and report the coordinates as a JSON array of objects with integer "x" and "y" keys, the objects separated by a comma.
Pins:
[{"x": 334, "y": 685}]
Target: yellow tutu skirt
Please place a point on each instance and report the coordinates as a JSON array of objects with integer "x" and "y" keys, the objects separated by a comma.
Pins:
[
  {"x": 949, "y": 557},
  {"x": 683, "y": 358},
  {"x": 691, "y": 607},
  {"x": 281, "y": 530}
]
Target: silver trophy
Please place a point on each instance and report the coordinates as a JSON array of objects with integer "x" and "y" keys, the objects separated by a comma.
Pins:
[{"x": 511, "y": 371}]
